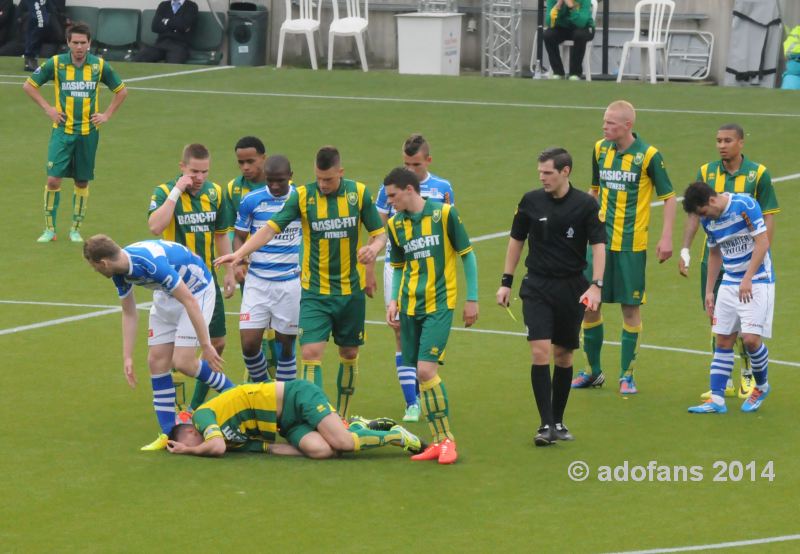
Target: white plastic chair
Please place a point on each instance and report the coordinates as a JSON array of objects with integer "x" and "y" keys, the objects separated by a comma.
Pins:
[
  {"x": 305, "y": 24},
  {"x": 657, "y": 35},
  {"x": 354, "y": 25}
]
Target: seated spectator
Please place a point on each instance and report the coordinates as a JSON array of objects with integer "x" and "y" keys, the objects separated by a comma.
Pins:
[
  {"x": 173, "y": 22},
  {"x": 567, "y": 20}
]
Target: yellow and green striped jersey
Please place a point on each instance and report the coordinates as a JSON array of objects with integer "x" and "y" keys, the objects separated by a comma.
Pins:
[
  {"x": 237, "y": 189},
  {"x": 425, "y": 245},
  {"x": 331, "y": 235},
  {"x": 241, "y": 416},
  {"x": 752, "y": 178},
  {"x": 77, "y": 94},
  {"x": 625, "y": 182},
  {"x": 196, "y": 219}
]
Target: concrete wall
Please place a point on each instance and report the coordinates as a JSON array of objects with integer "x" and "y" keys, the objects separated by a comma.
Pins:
[{"x": 382, "y": 38}]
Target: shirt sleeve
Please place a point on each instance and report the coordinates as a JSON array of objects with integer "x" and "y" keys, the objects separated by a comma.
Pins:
[
  {"x": 521, "y": 224},
  {"x": 382, "y": 201},
  {"x": 456, "y": 232},
  {"x": 450, "y": 196},
  {"x": 753, "y": 217},
  {"x": 595, "y": 229},
  {"x": 289, "y": 212},
  {"x": 205, "y": 420},
  {"x": 595, "y": 169},
  {"x": 244, "y": 217},
  {"x": 124, "y": 288},
  {"x": 110, "y": 78},
  {"x": 710, "y": 241},
  {"x": 765, "y": 194},
  {"x": 43, "y": 73},
  {"x": 160, "y": 270},
  {"x": 396, "y": 254},
  {"x": 369, "y": 215},
  {"x": 224, "y": 221},
  {"x": 658, "y": 175},
  {"x": 158, "y": 197}
]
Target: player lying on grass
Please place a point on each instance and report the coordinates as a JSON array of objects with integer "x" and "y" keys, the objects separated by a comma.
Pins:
[
  {"x": 183, "y": 301},
  {"x": 249, "y": 418}
]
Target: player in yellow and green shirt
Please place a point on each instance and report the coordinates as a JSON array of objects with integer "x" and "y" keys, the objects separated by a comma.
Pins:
[
  {"x": 733, "y": 172},
  {"x": 627, "y": 175},
  {"x": 76, "y": 119},
  {"x": 192, "y": 211},
  {"x": 426, "y": 237},
  {"x": 249, "y": 418},
  {"x": 333, "y": 279}
]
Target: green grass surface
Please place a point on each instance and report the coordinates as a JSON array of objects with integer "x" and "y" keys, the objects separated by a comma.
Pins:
[{"x": 74, "y": 479}]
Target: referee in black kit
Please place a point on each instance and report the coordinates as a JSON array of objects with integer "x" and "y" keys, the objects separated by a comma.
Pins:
[{"x": 558, "y": 221}]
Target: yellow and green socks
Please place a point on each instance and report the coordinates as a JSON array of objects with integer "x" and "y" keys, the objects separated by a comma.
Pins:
[
  {"x": 270, "y": 349},
  {"x": 435, "y": 407},
  {"x": 51, "y": 200},
  {"x": 80, "y": 197},
  {"x": 364, "y": 439},
  {"x": 311, "y": 370},
  {"x": 629, "y": 343},
  {"x": 593, "y": 344},
  {"x": 346, "y": 384}
]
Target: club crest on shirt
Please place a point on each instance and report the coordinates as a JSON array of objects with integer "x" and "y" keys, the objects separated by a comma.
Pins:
[
  {"x": 311, "y": 200},
  {"x": 751, "y": 176},
  {"x": 570, "y": 232},
  {"x": 352, "y": 198},
  {"x": 638, "y": 159},
  {"x": 437, "y": 216},
  {"x": 212, "y": 195},
  {"x": 95, "y": 67}
]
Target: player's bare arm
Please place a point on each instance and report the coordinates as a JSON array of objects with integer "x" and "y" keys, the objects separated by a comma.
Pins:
[
  {"x": 259, "y": 239},
  {"x": 664, "y": 247},
  {"x": 102, "y": 117},
  {"x": 689, "y": 231},
  {"x": 513, "y": 253},
  {"x": 54, "y": 115},
  {"x": 714, "y": 266},
  {"x": 185, "y": 297},
  {"x": 129, "y": 326},
  {"x": 759, "y": 252},
  {"x": 592, "y": 297},
  {"x": 214, "y": 448},
  {"x": 162, "y": 216},
  {"x": 223, "y": 248}
]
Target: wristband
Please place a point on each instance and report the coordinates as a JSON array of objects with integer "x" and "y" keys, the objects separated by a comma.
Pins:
[
  {"x": 685, "y": 256},
  {"x": 175, "y": 194},
  {"x": 506, "y": 280}
]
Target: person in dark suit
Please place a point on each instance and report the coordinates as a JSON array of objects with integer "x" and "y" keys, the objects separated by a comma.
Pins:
[{"x": 173, "y": 22}]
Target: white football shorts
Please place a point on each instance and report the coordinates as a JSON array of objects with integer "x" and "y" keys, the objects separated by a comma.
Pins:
[
  {"x": 270, "y": 304},
  {"x": 169, "y": 321},
  {"x": 754, "y": 317}
]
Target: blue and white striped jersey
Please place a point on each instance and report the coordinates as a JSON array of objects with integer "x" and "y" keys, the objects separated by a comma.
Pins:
[
  {"x": 162, "y": 265},
  {"x": 433, "y": 187},
  {"x": 280, "y": 259},
  {"x": 733, "y": 232}
]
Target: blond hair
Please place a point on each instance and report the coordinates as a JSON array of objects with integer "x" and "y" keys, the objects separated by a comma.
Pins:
[{"x": 624, "y": 108}]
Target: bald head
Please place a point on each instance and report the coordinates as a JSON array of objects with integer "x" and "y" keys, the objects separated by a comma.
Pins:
[
  {"x": 277, "y": 163},
  {"x": 279, "y": 173}
]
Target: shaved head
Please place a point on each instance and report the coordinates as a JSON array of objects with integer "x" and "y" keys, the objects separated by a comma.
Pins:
[
  {"x": 624, "y": 110},
  {"x": 278, "y": 163}
]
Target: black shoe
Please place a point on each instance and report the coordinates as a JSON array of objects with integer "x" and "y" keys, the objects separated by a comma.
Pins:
[
  {"x": 544, "y": 436},
  {"x": 31, "y": 64},
  {"x": 561, "y": 433},
  {"x": 381, "y": 424}
]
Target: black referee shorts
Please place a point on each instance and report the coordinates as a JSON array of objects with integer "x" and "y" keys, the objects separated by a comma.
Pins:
[{"x": 551, "y": 308}]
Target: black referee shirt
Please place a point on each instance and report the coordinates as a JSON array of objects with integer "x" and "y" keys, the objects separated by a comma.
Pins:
[{"x": 557, "y": 230}]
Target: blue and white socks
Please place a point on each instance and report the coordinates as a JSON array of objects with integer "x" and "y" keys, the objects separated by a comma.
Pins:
[
  {"x": 721, "y": 368},
  {"x": 164, "y": 400},
  {"x": 407, "y": 376}
]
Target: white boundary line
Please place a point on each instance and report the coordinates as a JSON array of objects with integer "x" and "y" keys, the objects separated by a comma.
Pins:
[
  {"x": 717, "y": 546},
  {"x": 176, "y": 73},
  {"x": 108, "y": 309},
  {"x": 786, "y": 178}
]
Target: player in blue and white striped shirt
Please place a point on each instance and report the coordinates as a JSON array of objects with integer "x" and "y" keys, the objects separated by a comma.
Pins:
[
  {"x": 183, "y": 303},
  {"x": 271, "y": 297},
  {"x": 417, "y": 158},
  {"x": 738, "y": 243}
]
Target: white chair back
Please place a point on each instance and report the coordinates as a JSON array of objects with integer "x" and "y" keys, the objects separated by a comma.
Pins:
[
  {"x": 659, "y": 20},
  {"x": 306, "y": 9},
  {"x": 353, "y": 8}
]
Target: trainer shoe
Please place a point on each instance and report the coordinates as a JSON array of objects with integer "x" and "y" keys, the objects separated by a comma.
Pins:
[
  {"x": 411, "y": 442},
  {"x": 447, "y": 452},
  {"x": 75, "y": 236},
  {"x": 377, "y": 424},
  {"x": 159, "y": 444},
  {"x": 708, "y": 407},
  {"x": 627, "y": 385},
  {"x": 756, "y": 398},
  {"x": 585, "y": 380},
  {"x": 412, "y": 413},
  {"x": 574, "y": 78},
  {"x": 544, "y": 436},
  {"x": 48, "y": 236},
  {"x": 730, "y": 392},
  {"x": 430, "y": 453},
  {"x": 561, "y": 433},
  {"x": 746, "y": 386}
]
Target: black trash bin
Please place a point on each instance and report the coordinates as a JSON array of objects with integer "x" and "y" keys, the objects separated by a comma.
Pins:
[{"x": 247, "y": 34}]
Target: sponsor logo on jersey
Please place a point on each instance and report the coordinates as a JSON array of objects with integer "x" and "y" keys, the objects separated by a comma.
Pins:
[
  {"x": 244, "y": 316},
  {"x": 420, "y": 243},
  {"x": 150, "y": 333},
  {"x": 197, "y": 217},
  {"x": 335, "y": 223},
  {"x": 321, "y": 408}
]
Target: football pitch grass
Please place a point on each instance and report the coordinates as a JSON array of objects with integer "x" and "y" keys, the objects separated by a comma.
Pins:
[{"x": 75, "y": 479}]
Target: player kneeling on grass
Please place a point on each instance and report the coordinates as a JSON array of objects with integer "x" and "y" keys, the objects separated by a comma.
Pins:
[
  {"x": 738, "y": 243},
  {"x": 249, "y": 418},
  {"x": 183, "y": 301}
]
